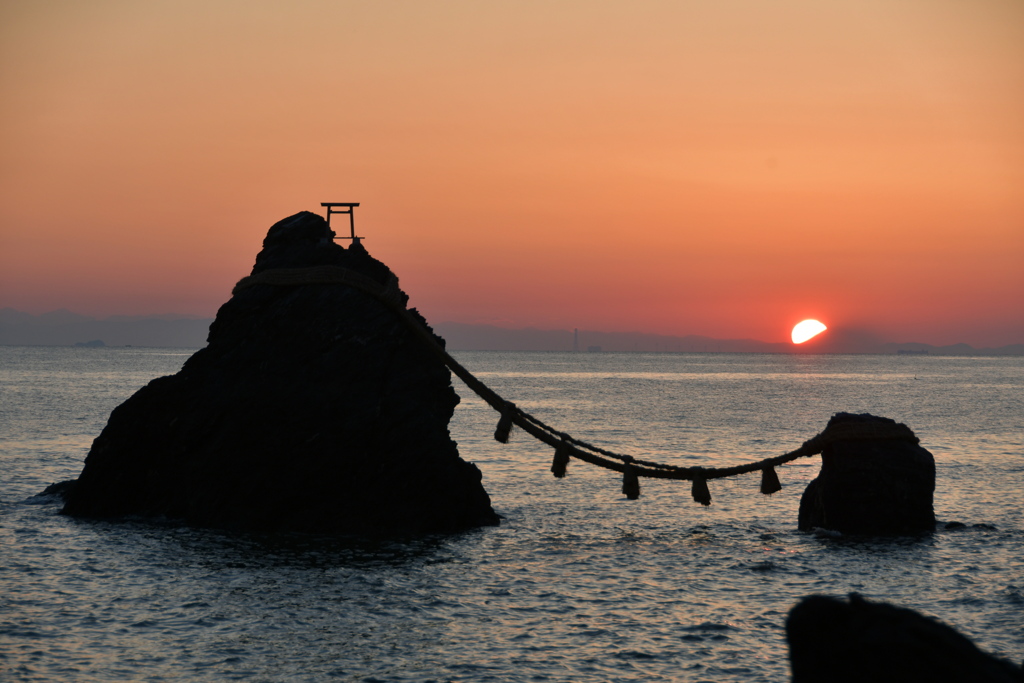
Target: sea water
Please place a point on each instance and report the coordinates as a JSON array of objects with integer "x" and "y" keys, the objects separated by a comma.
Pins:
[{"x": 577, "y": 583}]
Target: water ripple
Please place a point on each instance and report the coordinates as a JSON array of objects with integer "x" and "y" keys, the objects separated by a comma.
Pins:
[{"x": 577, "y": 584}]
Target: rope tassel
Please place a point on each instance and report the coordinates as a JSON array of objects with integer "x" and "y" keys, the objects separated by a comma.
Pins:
[
  {"x": 561, "y": 460},
  {"x": 700, "y": 491},
  {"x": 630, "y": 481},
  {"x": 769, "y": 481},
  {"x": 504, "y": 428}
]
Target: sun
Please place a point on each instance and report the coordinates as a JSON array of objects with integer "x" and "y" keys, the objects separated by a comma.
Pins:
[{"x": 807, "y": 329}]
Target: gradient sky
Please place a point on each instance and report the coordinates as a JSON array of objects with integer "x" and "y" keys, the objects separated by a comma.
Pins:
[{"x": 723, "y": 168}]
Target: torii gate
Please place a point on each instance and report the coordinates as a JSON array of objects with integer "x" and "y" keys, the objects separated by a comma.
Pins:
[{"x": 349, "y": 208}]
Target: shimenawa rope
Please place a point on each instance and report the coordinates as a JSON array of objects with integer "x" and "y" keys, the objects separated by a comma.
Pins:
[{"x": 566, "y": 445}]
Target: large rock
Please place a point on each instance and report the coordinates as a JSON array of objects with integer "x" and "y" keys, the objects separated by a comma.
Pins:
[
  {"x": 312, "y": 408},
  {"x": 874, "y": 479},
  {"x": 834, "y": 641}
]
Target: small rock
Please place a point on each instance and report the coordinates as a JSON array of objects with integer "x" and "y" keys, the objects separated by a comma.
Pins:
[{"x": 869, "y": 485}]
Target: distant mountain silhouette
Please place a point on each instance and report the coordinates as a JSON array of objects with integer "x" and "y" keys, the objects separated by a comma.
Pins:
[
  {"x": 464, "y": 337},
  {"x": 64, "y": 328}
]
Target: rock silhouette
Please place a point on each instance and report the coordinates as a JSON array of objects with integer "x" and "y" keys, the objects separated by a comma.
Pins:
[
  {"x": 835, "y": 641},
  {"x": 311, "y": 408},
  {"x": 881, "y": 484}
]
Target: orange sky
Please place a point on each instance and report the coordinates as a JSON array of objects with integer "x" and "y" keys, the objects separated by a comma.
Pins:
[{"x": 721, "y": 168}]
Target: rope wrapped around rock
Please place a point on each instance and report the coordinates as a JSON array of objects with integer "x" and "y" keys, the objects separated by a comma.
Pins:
[{"x": 390, "y": 295}]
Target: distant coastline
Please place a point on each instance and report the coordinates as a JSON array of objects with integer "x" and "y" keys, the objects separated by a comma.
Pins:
[
  {"x": 465, "y": 337},
  {"x": 64, "y": 328}
]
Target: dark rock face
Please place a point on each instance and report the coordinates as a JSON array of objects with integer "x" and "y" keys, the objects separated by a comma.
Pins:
[
  {"x": 870, "y": 486},
  {"x": 312, "y": 408},
  {"x": 833, "y": 641}
]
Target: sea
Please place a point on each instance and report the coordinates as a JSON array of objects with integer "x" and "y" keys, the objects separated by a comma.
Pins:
[{"x": 576, "y": 584}]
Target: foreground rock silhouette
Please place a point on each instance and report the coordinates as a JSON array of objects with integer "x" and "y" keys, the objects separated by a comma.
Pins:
[
  {"x": 312, "y": 408},
  {"x": 835, "y": 641},
  {"x": 874, "y": 480}
]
